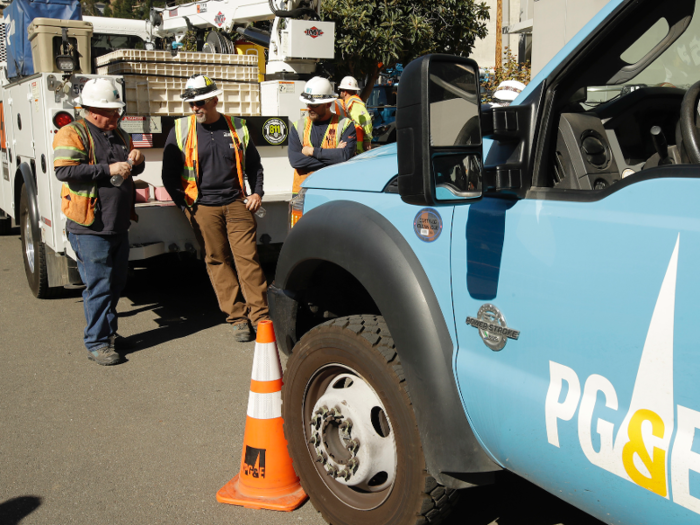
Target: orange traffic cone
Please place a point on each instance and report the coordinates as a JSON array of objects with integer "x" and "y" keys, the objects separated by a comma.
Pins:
[{"x": 267, "y": 479}]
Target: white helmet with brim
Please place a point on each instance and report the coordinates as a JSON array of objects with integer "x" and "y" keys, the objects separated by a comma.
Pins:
[
  {"x": 318, "y": 90},
  {"x": 99, "y": 93},
  {"x": 200, "y": 87},
  {"x": 508, "y": 90},
  {"x": 349, "y": 83}
]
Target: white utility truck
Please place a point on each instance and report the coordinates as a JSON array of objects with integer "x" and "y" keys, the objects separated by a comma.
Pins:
[{"x": 37, "y": 103}]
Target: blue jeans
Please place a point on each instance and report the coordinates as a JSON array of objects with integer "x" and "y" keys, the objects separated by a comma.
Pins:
[{"x": 103, "y": 262}]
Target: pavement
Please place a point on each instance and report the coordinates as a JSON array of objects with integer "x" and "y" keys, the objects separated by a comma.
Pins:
[{"x": 151, "y": 440}]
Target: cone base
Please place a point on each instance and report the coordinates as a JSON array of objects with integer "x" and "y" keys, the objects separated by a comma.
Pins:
[{"x": 231, "y": 494}]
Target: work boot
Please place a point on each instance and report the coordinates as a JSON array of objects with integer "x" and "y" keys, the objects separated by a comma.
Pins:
[
  {"x": 242, "y": 332},
  {"x": 104, "y": 356}
]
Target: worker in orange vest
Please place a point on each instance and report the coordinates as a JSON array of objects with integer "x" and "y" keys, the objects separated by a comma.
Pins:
[
  {"x": 350, "y": 105},
  {"x": 321, "y": 138}
]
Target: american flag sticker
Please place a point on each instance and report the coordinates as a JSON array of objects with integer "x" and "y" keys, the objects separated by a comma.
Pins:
[{"x": 142, "y": 140}]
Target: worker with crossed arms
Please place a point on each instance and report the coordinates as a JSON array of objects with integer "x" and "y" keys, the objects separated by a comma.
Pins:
[{"x": 321, "y": 138}]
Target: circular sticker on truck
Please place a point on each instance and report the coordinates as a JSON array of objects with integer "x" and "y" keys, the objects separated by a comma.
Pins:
[
  {"x": 275, "y": 131},
  {"x": 427, "y": 225}
]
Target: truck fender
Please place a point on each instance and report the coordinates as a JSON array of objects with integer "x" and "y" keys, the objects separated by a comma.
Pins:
[{"x": 350, "y": 235}]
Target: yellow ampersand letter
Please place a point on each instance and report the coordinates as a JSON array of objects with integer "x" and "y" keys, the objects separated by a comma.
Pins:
[{"x": 656, "y": 465}]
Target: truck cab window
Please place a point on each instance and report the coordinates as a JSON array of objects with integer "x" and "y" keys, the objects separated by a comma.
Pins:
[{"x": 621, "y": 116}]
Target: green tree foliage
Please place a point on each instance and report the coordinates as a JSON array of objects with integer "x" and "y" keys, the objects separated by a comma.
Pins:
[
  {"x": 89, "y": 8},
  {"x": 131, "y": 9},
  {"x": 373, "y": 35}
]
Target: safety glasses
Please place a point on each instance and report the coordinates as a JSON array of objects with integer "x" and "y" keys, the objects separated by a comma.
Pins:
[
  {"x": 108, "y": 112},
  {"x": 198, "y": 103}
]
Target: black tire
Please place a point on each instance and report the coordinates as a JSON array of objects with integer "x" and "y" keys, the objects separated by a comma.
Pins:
[
  {"x": 341, "y": 358},
  {"x": 33, "y": 251},
  {"x": 5, "y": 226}
]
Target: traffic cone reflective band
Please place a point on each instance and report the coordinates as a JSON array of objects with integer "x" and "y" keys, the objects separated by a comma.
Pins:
[{"x": 267, "y": 479}]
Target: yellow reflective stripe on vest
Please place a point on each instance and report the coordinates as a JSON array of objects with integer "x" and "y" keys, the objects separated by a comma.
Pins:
[
  {"x": 334, "y": 125},
  {"x": 77, "y": 199}
]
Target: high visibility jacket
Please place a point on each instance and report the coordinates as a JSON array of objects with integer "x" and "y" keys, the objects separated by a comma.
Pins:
[
  {"x": 353, "y": 108},
  {"x": 187, "y": 142},
  {"x": 331, "y": 140},
  {"x": 74, "y": 145}
]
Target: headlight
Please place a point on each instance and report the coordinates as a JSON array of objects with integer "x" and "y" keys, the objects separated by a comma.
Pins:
[{"x": 65, "y": 63}]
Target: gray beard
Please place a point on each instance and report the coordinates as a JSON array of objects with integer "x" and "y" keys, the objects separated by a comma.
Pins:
[{"x": 201, "y": 118}]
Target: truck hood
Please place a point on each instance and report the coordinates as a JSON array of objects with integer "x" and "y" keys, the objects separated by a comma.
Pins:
[{"x": 370, "y": 171}]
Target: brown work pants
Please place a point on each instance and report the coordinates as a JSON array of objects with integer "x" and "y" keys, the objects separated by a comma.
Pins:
[{"x": 227, "y": 236}]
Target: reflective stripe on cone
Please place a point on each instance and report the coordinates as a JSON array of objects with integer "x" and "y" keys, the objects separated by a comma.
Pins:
[{"x": 266, "y": 479}]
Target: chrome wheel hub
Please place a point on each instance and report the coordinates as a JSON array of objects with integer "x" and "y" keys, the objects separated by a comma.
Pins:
[{"x": 352, "y": 437}]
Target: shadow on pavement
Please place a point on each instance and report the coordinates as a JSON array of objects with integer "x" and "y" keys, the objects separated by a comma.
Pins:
[
  {"x": 15, "y": 510},
  {"x": 179, "y": 292},
  {"x": 514, "y": 501}
]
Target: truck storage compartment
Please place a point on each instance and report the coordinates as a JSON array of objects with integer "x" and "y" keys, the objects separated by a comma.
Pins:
[
  {"x": 182, "y": 57},
  {"x": 154, "y": 80},
  {"x": 45, "y": 35},
  {"x": 161, "y": 96}
]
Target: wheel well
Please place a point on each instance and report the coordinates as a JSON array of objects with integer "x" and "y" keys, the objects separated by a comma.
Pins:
[
  {"x": 19, "y": 182},
  {"x": 327, "y": 291}
]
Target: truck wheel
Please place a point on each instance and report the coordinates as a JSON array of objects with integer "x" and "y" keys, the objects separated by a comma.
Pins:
[
  {"x": 33, "y": 250},
  {"x": 351, "y": 430}
]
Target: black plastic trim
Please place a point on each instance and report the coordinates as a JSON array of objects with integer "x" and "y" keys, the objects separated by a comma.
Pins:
[
  {"x": 508, "y": 167},
  {"x": 378, "y": 256},
  {"x": 284, "y": 308},
  {"x": 686, "y": 171}
]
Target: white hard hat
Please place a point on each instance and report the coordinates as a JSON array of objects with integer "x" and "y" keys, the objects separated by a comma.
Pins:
[
  {"x": 99, "y": 93},
  {"x": 318, "y": 90},
  {"x": 200, "y": 87},
  {"x": 349, "y": 83},
  {"x": 508, "y": 90}
]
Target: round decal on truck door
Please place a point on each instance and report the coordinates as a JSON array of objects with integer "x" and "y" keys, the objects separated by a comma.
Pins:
[{"x": 427, "y": 225}]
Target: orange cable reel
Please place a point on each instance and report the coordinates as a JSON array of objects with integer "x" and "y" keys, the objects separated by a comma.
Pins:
[{"x": 267, "y": 479}]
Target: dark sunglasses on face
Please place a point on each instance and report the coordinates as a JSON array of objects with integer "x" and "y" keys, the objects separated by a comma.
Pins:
[{"x": 198, "y": 103}]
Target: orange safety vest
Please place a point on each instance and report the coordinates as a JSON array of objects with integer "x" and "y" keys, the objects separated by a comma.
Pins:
[
  {"x": 187, "y": 142},
  {"x": 74, "y": 145},
  {"x": 331, "y": 140}
]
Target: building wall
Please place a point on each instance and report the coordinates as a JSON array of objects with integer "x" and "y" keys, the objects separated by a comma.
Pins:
[
  {"x": 555, "y": 22},
  {"x": 485, "y": 50}
]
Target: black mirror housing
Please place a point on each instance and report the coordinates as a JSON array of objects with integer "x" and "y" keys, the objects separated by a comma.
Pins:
[{"x": 425, "y": 146}]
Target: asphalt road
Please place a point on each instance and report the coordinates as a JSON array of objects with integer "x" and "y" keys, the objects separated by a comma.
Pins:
[{"x": 152, "y": 440}]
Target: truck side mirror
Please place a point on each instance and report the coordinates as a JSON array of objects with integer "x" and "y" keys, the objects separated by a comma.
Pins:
[{"x": 439, "y": 138}]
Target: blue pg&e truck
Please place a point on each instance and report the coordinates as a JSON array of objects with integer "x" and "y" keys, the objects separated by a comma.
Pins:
[{"x": 509, "y": 289}]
